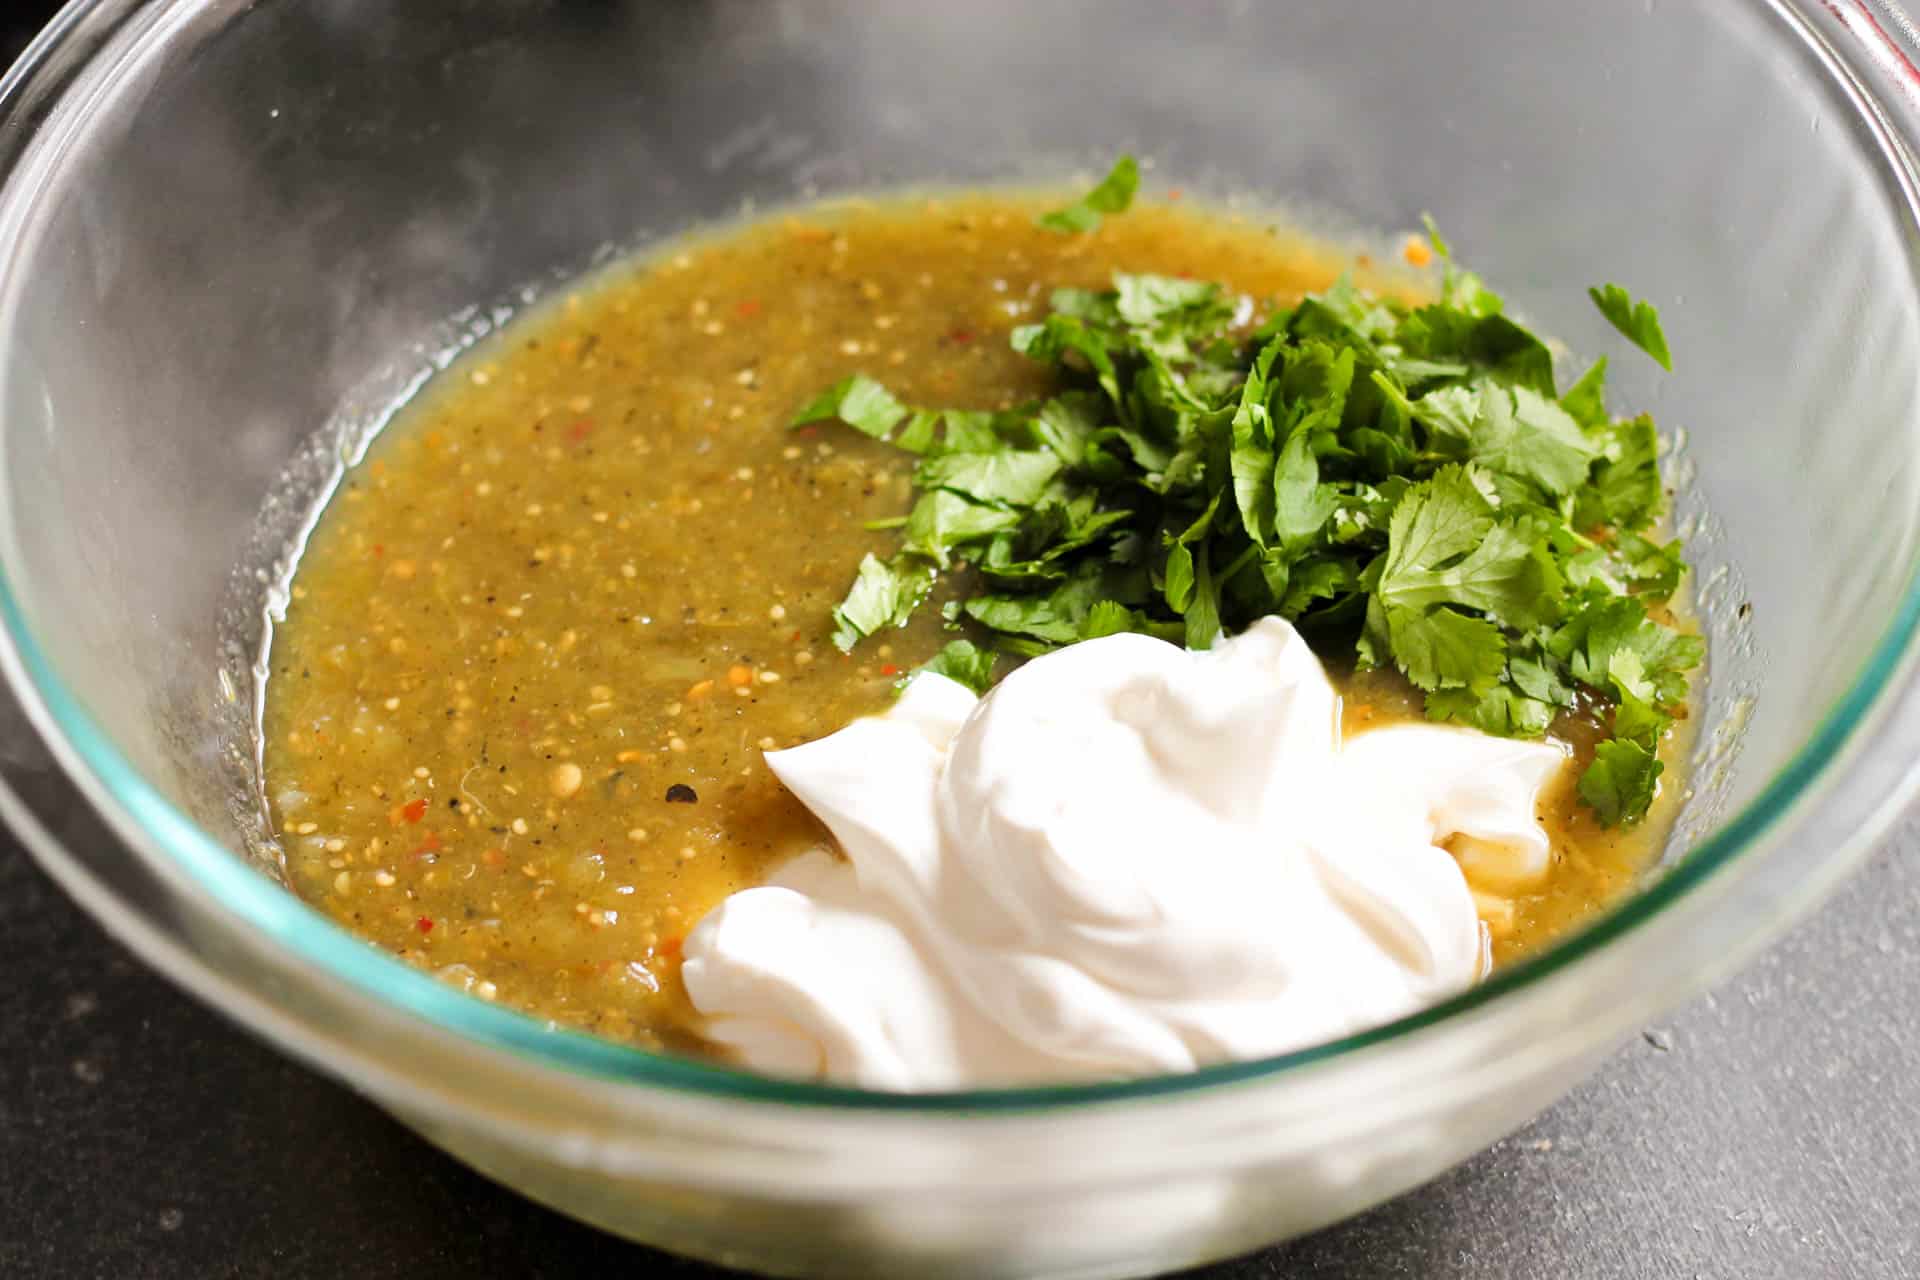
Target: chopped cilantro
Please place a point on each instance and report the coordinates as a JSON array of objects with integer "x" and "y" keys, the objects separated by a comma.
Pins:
[
  {"x": 1404, "y": 483},
  {"x": 942, "y": 520},
  {"x": 858, "y": 401},
  {"x": 885, "y": 593},
  {"x": 1638, "y": 321},
  {"x": 1448, "y": 649},
  {"x": 1586, "y": 399},
  {"x": 964, "y": 661},
  {"x": 1620, "y": 782},
  {"x": 1113, "y": 194},
  {"x": 1006, "y": 477},
  {"x": 1108, "y": 618}
]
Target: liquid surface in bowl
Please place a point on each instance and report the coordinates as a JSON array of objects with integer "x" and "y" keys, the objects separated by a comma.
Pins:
[{"x": 538, "y": 642}]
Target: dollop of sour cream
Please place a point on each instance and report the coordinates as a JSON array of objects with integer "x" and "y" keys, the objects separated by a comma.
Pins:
[{"x": 1127, "y": 858}]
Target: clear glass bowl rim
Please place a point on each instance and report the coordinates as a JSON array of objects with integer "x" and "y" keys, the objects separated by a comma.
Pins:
[{"x": 133, "y": 804}]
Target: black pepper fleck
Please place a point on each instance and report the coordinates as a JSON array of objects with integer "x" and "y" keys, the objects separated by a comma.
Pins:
[{"x": 681, "y": 793}]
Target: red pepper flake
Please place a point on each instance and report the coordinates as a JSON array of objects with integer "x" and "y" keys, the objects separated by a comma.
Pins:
[
  {"x": 960, "y": 336},
  {"x": 807, "y": 433},
  {"x": 749, "y": 309},
  {"x": 889, "y": 669},
  {"x": 670, "y": 948},
  {"x": 414, "y": 810},
  {"x": 379, "y": 548},
  {"x": 430, "y": 845},
  {"x": 1175, "y": 193},
  {"x": 424, "y": 924},
  {"x": 580, "y": 430}
]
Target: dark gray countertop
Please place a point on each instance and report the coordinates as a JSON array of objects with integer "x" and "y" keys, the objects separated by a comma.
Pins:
[{"x": 1769, "y": 1130}]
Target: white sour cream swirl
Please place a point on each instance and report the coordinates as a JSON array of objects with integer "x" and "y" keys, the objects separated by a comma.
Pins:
[{"x": 1128, "y": 858}]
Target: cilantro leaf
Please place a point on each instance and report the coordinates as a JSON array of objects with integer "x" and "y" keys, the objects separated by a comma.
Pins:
[
  {"x": 1044, "y": 618},
  {"x": 1107, "y": 618},
  {"x": 1511, "y": 354},
  {"x": 1452, "y": 414},
  {"x": 942, "y": 522},
  {"x": 1145, "y": 301},
  {"x": 1621, "y": 782},
  {"x": 1586, "y": 399},
  {"x": 1031, "y": 624},
  {"x": 1436, "y": 521},
  {"x": 1203, "y": 610},
  {"x": 1035, "y": 622},
  {"x": 1634, "y": 713},
  {"x": 1588, "y": 641},
  {"x": 1646, "y": 566},
  {"x": 1505, "y": 576},
  {"x": 1445, "y": 554},
  {"x": 918, "y": 435},
  {"x": 1344, "y": 317},
  {"x": 1060, "y": 335},
  {"x": 1626, "y": 488},
  {"x": 965, "y": 662},
  {"x": 1636, "y": 320},
  {"x": 1066, "y": 423},
  {"x": 1098, "y": 309},
  {"x": 1301, "y": 504},
  {"x": 1524, "y": 434},
  {"x": 858, "y": 401},
  {"x": 1630, "y": 563},
  {"x": 1251, "y": 457},
  {"x": 1501, "y": 710},
  {"x": 1445, "y": 649},
  {"x": 1315, "y": 578},
  {"x": 1539, "y": 678},
  {"x": 885, "y": 593},
  {"x": 1180, "y": 578},
  {"x": 1009, "y": 477},
  {"x": 1113, "y": 194},
  {"x": 968, "y": 431}
]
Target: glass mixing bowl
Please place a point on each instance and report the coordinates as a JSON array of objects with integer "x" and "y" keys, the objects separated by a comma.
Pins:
[{"x": 233, "y": 235}]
